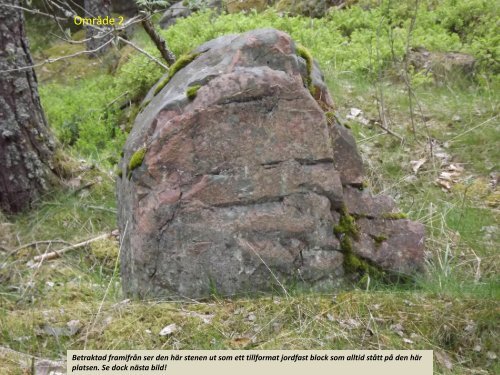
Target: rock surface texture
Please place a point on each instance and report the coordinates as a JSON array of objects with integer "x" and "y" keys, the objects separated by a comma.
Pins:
[{"x": 234, "y": 177}]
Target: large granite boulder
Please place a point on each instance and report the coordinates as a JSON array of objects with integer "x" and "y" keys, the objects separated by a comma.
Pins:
[{"x": 237, "y": 178}]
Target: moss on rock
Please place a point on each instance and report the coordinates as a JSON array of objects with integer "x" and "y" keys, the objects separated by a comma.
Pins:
[
  {"x": 394, "y": 216},
  {"x": 347, "y": 230},
  {"x": 379, "y": 239},
  {"x": 330, "y": 117},
  {"x": 136, "y": 160},
  {"x": 346, "y": 226},
  {"x": 180, "y": 63},
  {"x": 192, "y": 91},
  {"x": 307, "y": 56}
]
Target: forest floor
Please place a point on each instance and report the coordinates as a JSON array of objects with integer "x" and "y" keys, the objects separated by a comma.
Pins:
[{"x": 443, "y": 177}]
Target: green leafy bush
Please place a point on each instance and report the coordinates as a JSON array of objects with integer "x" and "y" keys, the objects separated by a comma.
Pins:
[
  {"x": 81, "y": 116},
  {"x": 138, "y": 75}
]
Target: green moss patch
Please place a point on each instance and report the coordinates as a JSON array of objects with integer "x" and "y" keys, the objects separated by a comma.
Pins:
[
  {"x": 330, "y": 117},
  {"x": 379, "y": 239},
  {"x": 136, "y": 160},
  {"x": 346, "y": 226},
  {"x": 306, "y": 55},
  {"x": 180, "y": 63},
  {"x": 106, "y": 253},
  {"x": 394, "y": 216},
  {"x": 192, "y": 91},
  {"x": 347, "y": 230}
]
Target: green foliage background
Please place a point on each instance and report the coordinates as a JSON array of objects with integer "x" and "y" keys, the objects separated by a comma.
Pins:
[{"x": 361, "y": 42}]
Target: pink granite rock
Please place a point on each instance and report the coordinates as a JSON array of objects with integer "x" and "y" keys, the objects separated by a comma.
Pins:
[{"x": 241, "y": 185}]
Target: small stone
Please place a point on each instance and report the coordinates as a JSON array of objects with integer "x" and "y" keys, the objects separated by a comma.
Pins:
[
  {"x": 491, "y": 355},
  {"x": 73, "y": 327},
  {"x": 168, "y": 330}
]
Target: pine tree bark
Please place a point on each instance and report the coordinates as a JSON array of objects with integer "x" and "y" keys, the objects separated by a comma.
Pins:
[
  {"x": 97, "y": 36},
  {"x": 26, "y": 144}
]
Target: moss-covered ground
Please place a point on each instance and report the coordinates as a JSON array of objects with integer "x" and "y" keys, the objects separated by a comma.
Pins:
[{"x": 452, "y": 309}]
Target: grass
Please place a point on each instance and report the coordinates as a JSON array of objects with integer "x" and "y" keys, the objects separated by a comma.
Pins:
[{"x": 453, "y": 309}]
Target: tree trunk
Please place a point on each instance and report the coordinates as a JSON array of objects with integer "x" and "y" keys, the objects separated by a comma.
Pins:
[
  {"x": 97, "y": 35},
  {"x": 26, "y": 144}
]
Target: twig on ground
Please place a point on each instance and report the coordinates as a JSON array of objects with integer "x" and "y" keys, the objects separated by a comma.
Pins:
[
  {"x": 116, "y": 99},
  {"x": 44, "y": 242},
  {"x": 389, "y": 131},
  {"x": 58, "y": 253},
  {"x": 101, "y": 208},
  {"x": 83, "y": 187}
]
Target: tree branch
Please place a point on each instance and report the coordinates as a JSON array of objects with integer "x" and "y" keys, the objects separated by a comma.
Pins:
[
  {"x": 143, "y": 52},
  {"x": 50, "y": 61},
  {"x": 33, "y": 11},
  {"x": 160, "y": 43},
  {"x": 58, "y": 253}
]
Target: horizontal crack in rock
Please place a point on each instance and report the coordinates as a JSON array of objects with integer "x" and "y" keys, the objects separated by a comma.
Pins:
[{"x": 305, "y": 162}]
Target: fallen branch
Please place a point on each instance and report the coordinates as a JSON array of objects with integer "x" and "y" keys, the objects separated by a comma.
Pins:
[
  {"x": 102, "y": 208},
  {"x": 143, "y": 52},
  {"x": 45, "y": 242},
  {"x": 33, "y": 11},
  {"x": 83, "y": 187},
  {"x": 53, "y": 60},
  {"x": 389, "y": 131},
  {"x": 58, "y": 253}
]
